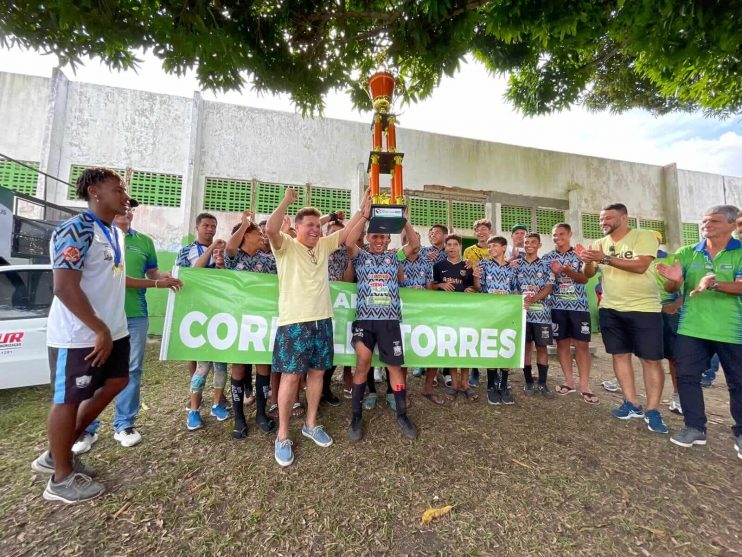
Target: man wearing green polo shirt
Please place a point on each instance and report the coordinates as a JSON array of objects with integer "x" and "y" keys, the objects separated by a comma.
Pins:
[
  {"x": 710, "y": 274},
  {"x": 141, "y": 273}
]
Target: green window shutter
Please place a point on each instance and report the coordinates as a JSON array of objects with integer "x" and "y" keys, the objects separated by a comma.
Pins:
[
  {"x": 427, "y": 212},
  {"x": 511, "y": 216},
  {"x": 466, "y": 214},
  {"x": 547, "y": 218},
  {"x": 691, "y": 233},
  {"x": 268, "y": 196},
  {"x": 75, "y": 172},
  {"x": 328, "y": 200},
  {"x": 632, "y": 222},
  {"x": 151, "y": 188},
  {"x": 591, "y": 226},
  {"x": 656, "y": 225},
  {"x": 222, "y": 194},
  {"x": 18, "y": 178}
]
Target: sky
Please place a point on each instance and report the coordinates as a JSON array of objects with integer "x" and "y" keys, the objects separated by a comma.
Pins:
[{"x": 469, "y": 104}]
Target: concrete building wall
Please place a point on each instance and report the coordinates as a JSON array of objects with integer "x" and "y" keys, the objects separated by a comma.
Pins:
[{"x": 60, "y": 123}]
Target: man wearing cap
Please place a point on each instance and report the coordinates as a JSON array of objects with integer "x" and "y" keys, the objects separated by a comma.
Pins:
[
  {"x": 141, "y": 273},
  {"x": 518, "y": 236}
]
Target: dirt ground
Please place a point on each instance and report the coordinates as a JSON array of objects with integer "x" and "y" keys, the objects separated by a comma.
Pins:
[{"x": 543, "y": 477}]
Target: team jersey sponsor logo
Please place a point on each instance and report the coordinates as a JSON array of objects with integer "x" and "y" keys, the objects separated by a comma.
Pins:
[{"x": 71, "y": 254}]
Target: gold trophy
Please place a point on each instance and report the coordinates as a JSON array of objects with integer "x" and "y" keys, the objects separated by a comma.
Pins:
[{"x": 387, "y": 211}]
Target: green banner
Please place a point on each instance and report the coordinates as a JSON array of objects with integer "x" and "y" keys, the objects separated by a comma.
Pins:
[{"x": 225, "y": 316}]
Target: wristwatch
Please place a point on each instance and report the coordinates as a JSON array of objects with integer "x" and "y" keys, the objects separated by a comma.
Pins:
[{"x": 606, "y": 260}]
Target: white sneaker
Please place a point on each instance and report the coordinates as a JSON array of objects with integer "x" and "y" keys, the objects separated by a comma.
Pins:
[
  {"x": 128, "y": 437},
  {"x": 611, "y": 385},
  {"x": 675, "y": 405},
  {"x": 84, "y": 443}
]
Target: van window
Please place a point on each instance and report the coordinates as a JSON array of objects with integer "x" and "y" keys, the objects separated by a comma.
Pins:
[{"x": 25, "y": 294}]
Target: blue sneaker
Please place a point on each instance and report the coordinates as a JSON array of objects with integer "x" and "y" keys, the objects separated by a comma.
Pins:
[
  {"x": 194, "y": 420},
  {"x": 474, "y": 379},
  {"x": 284, "y": 453},
  {"x": 317, "y": 434},
  {"x": 627, "y": 411},
  {"x": 707, "y": 380},
  {"x": 654, "y": 422},
  {"x": 219, "y": 412}
]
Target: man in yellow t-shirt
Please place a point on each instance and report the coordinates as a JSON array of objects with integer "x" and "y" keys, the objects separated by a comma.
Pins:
[
  {"x": 304, "y": 341},
  {"x": 482, "y": 231},
  {"x": 630, "y": 312}
]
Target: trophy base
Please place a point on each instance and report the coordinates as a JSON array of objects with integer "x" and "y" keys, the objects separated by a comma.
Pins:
[{"x": 386, "y": 219}]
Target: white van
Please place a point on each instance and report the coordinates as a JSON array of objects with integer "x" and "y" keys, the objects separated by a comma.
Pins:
[{"x": 26, "y": 293}]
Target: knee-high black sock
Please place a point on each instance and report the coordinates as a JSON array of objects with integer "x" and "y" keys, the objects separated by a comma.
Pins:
[
  {"x": 543, "y": 370},
  {"x": 357, "y": 403},
  {"x": 248, "y": 378},
  {"x": 370, "y": 383},
  {"x": 527, "y": 374},
  {"x": 238, "y": 399},
  {"x": 262, "y": 384},
  {"x": 389, "y": 389},
  {"x": 400, "y": 399},
  {"x": 491, "y": 379},
  {"x": 327, "y": 381},
  {"x": 504, "y": 378}
]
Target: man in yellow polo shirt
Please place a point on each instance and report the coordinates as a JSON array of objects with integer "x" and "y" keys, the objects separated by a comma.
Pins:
[
  {"x": 304, "y": 341},
  {"x": 630, "y": 312}
]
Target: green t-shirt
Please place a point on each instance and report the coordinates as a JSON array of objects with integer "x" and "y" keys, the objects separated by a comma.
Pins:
[
  {"x": 711, "y": 315},
  {"x": 140, "y": 258}
]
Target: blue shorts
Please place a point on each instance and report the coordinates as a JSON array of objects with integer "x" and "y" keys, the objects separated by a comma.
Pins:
[{"x": 300, "y": 347}]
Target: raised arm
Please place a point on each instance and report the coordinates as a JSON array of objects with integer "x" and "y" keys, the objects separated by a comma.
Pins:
[
  {"x": 235, "y": 240},
  {"x": 273, "y": 225},
  {"x": 413, "y": 242},
  {"x": 357, "y": 220}
]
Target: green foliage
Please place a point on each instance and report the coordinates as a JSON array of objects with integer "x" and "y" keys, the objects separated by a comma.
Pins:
[{"x": 662, "y": 55}]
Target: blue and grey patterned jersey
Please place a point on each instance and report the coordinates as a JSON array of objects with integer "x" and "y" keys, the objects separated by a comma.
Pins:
[
  {"x": 337, "y": 263},
  {"x": 261, "y": 262},
  {"x": 378, "y": 286},
  {"x": 189, "y": 254},
  {"x": 567, "y": 294},
  {"x": 417, "y": 273},
  {"x": 530, "y": 279},
  {"x": 496, "y": 278},
  {"x": 432, "y": 254}
]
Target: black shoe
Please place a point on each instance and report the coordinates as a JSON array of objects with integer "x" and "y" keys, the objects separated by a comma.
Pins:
[
  {"x": 329, "y": 399},
  {"x": 506, "y": 397},
  {"x": 408, "y": 428},
  {"x": 544, "y": 389},
  {"x": 355, "y": 431},
  {"x": 265, "y": 424},
  {"x": 493, "y": 397},
  {"x": 529, "y": 389},
  {"x": 240, "y": 429}
]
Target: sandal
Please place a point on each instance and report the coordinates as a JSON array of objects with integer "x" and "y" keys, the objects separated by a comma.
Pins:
[
  {"x": 451, "y": 393},
  {"x": 565, "y": 390},
  {"x": 590, "y": 398},
  {"x": 298, "y": 410},
  {"x": 272, "y": 411},
  {"x": 370, "y": 401},
  {"x": 347, "y": 393},
  {"x": 470, "y": 394},
  {"x": 435, "y": 399}
]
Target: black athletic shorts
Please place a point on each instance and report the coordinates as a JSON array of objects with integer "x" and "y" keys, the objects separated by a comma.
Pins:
[
  {"x": 74, "y": 379},
  {"x": 385, "y": 334},
  {"x": 539, "y": 333},
  {"x": 571, "y": 324},
  {"x": 669, "y": 333},
  {"x": 632, "y": 332}
]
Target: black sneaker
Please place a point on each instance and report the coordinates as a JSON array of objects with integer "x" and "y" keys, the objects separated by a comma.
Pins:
[
  {"x": 506, "y": 396},
  {"x": 240, "y": 429},
  {"x": 265, "y": 424},
  {"x": 355, "y": 431},
  {"x": 329, "y": 399},
  {"x": 529, "y": 390},
  {"x": 493, "y": 397},
  {"x": 408, "y": 428},
  {"x": 544, "y": 389}
]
